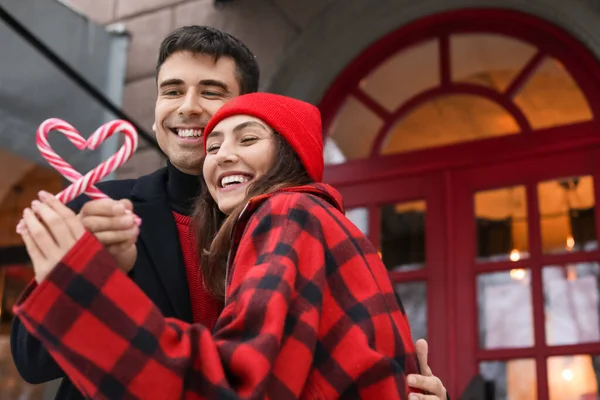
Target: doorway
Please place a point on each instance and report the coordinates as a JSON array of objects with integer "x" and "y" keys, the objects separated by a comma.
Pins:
[{"x": 467, "y": 151}]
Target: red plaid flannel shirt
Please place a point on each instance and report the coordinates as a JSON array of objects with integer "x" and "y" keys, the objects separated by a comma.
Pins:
[{"x": 310, "y": 314}]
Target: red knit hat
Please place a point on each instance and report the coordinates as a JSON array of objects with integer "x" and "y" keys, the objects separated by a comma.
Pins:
[{"x": 297, "y": 121}]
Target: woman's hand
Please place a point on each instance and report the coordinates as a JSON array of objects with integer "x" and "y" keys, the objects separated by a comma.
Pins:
[
  {"x": 49, "y": 230},
  {"x": 427, "y": 382}
]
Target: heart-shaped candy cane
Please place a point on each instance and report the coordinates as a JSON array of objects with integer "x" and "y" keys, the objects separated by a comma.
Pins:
[{"x": 85, "y": 184}]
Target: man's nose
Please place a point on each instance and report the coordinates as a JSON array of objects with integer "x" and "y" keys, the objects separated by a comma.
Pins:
[{"x": 191, "y": 104}]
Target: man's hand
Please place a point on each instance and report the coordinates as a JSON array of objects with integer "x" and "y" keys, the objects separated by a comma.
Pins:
[
  {"x": 114, "y": 224},
  {"x": 427, "y": 382}
]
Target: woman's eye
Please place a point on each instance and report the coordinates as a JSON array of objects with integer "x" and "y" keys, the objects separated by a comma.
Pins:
[
  {"x": 249, "y": 139},
  {"x": 213, "y": 148}
]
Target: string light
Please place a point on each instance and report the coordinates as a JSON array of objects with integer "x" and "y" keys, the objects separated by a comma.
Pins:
[
  {"x": 515, "y": 255},
  {"x": 567, "y": 375},
  {"x": 570, "y": 242},
  {"x": 517, "y": 274}
]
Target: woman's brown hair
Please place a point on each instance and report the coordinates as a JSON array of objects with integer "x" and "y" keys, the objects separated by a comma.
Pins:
[{"x": 214, "y": 229}]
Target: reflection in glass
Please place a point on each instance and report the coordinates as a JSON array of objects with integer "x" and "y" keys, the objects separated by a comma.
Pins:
[
  {"x": 567, "y": 215},
  {"x": 359, "y": 217},
  {"x": 573, "y": 377},
  {"x": 404, "y": 75},
  {"x": 512, "y": 379},
  {"x": 571, "y": 303},
  {"x": 331, "y": 152},
  {"x": 501, "y": 224},
  {"x": 403, "y": 235},
  {"x": 449, "y": 120},
  {"x": 353, "y": 131},
  {"x": 414, "y": 299},
  {"x": 552, "y": 98},
  {"x": 488, "y": 59},
  {"x": 499, "y": 294}
]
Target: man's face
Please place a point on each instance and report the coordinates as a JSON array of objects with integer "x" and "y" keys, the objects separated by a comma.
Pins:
[{"x": 191, "y": 88}]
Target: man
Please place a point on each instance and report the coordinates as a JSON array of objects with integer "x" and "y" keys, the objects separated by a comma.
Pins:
[{"x": 199, "y": 69}]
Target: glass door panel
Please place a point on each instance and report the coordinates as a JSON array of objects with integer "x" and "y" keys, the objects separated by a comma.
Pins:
[
  {"x": 528, "y": 270},
  {"x": 404, "y": 219}
]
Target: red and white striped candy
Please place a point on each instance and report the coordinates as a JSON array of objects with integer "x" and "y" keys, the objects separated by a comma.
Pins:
[{"x": 85, "y": 184}]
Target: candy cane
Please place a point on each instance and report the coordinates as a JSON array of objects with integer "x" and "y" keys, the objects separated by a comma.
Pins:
[{"x": 85, "y": 184}]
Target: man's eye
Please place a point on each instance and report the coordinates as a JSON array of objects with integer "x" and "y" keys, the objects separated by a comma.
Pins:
[
  {"x": 212, "y": 94},
  {"x": 172, "y": 93}
]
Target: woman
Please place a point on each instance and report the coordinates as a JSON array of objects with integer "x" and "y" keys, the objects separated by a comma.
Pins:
[{"x": 309, "y": 309}]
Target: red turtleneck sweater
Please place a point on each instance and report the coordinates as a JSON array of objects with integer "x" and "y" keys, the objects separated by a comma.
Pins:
[{"x": 205, "y": 307}]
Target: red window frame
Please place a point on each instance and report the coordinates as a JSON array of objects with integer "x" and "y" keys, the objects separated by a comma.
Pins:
[{"x": 438, "y": 175}]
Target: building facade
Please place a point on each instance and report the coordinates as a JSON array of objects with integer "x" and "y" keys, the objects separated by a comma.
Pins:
[{"x": 464, "y": 136}]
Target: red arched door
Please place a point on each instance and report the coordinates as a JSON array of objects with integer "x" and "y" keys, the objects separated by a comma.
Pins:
[{"x": 466, "y": 147}]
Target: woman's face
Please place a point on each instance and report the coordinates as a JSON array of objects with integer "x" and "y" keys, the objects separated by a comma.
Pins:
[{"x": 239, "y": 150}]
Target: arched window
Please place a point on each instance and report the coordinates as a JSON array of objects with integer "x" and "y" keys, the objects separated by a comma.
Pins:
[
  {"x": 466, "y": 146},
  {"x": 452, "y": 85}
]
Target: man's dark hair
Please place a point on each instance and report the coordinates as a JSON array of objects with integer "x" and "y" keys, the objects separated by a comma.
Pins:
[{"x": 216, "y": 43}]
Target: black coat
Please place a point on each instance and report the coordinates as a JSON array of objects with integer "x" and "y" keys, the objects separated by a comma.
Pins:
[{"x": 159, "y": 271}]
